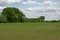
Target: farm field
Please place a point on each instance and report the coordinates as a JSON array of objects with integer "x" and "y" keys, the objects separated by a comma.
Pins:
[{"x": 30, "y": 31}]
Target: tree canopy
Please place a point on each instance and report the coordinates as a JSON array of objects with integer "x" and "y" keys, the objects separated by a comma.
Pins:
[
  {"x": 41, "y": 19},
  {"x": 13, "y": 14}
]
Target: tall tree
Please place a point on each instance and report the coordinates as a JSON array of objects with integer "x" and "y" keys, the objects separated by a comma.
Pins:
[
  {"x": 13, "y": 14},
  {"x": 41, "y": 19}
]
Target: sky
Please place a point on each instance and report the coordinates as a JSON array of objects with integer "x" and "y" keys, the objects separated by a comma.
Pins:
[{"x": 35, "y": 8}]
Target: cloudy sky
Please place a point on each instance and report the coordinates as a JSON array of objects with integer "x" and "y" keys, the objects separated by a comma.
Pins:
[{"x": 35, "y": 8}]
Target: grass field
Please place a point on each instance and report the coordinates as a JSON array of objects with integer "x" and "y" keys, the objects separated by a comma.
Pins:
[{"x": 30, "y": 31}]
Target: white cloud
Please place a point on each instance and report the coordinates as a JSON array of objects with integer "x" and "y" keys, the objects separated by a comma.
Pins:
[
  {"x": 32, "y": 9},
  {"x": 30, "y": 2},
  {"x": 39, "y": 3},
  {"x": 9, "y": 1},
  {"x": 42, "y": 8},
  {"x": 2, "y": 3},
  {"x": 47, "y": 3},
  {"x": 12, "y": 1},
  {"x": 1, "y": 8},
  {"x": 47, "y": 9}
]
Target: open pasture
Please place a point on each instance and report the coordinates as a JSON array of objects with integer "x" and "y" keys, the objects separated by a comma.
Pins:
[{"x": 30, "y": 31}]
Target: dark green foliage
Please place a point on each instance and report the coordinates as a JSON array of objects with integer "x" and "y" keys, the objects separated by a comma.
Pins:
[
  {"x": 13, "y": 14},
  {"x": 41, "y": 19}
]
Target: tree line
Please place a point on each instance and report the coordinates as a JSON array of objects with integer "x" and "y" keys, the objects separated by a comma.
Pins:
[{"x": 14, "y": 15}]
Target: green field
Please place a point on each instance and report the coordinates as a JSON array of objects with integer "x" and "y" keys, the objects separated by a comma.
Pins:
[{"x": 30, "y": 31}]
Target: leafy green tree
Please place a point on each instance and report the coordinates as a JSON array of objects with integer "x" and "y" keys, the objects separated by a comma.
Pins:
[
  {"x": 19, "y": 15},
  {"x": 33, "y": 20},
  {"x": 41, "y": 19},
  {"x": 13, "y": 14}
]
